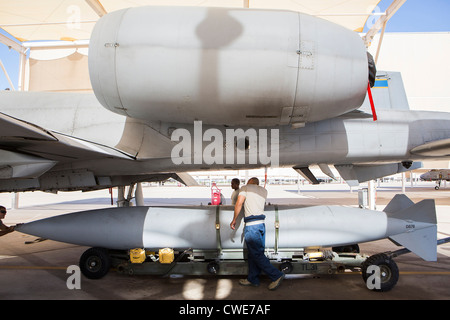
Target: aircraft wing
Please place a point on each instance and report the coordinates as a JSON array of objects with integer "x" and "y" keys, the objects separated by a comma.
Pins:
[
  {"x": 14, "y": 129},
  {"x": 25, "y": 138},
  {"x": 33, "y": 158},
  {"x": 15, "y": 134}
]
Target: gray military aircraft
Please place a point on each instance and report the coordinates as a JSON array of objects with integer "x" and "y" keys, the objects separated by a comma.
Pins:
[
  {"x": 213, "y": 88},
  {"x": 189, "y": 89},
  {"x": 437, "y": 175}
]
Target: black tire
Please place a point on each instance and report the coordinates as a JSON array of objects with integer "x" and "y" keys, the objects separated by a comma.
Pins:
[
  {"x": 95, "y": 263},
  {"x": 389, "y": 273}
]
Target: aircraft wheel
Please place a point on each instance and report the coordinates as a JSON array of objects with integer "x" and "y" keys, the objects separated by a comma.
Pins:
[
  {"x": 389, "y": 273},
  {"x": 437, "y": 187},
  {"x": 95, "y": 263}
]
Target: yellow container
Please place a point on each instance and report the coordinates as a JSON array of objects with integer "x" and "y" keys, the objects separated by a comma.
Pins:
[
  {"x": 315, "y": 256},
  {"x": 166, "y": 255},
  {"x": 137, "y": 255}
]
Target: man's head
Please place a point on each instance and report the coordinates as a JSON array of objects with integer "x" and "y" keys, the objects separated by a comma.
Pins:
[
  {"x": 253, "y": 181},
  {"x": 235, "y": 183},
  {"x": 2, "y": 212}
]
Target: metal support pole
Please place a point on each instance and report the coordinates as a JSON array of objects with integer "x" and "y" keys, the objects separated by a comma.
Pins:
[
  {"x": 7, "y": 76},
  {"x": 139, "y": 195},
  {"x": 120, "y": 196},
  {"x": 403, "y": 182},
  {"x": 380, "y": 41},
  {"x": 15, "y": 200},
  {"x": 371, "y": 194},
  {"x": 23, "y": 85}
]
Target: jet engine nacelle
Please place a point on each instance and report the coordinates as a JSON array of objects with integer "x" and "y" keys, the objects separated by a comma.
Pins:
[{"x": 226, "y": 66}]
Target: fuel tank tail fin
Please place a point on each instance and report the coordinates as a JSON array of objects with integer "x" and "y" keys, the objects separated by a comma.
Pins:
[
  {"x": 421, "y": 231},
  {"x": 398, "y": 203},
  {"x": 422, "y": 242},
  {"x": 401, "y": 207}
]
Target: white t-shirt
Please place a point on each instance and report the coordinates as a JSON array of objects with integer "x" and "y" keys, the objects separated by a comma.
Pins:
[{"x": 255, "y": 199}]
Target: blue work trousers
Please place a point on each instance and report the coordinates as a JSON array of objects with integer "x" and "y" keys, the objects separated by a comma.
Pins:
[{"x": 255, "y": 239}]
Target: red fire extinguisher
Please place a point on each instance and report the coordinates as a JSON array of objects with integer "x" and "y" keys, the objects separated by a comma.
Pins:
[{"x": 215, "y": 195}]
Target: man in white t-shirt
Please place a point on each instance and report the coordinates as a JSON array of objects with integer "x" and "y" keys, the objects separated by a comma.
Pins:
[{"x": 253, "y": 198}]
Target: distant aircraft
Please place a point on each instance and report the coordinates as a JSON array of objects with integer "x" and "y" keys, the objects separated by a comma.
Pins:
[{"x": 436, "y": 175}]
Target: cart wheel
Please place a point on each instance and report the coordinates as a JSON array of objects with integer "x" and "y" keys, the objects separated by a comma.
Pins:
[
  {"x": 213, "y": 267},
  {"x": 286, "y": 267},
  {"x": 388, "y": 271},
  {"x": 95, "y": 263}
]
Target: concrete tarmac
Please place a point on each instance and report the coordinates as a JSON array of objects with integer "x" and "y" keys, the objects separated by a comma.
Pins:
[{"x": 37, "y": 270}]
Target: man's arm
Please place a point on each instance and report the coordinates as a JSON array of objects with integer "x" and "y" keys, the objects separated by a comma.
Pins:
[
  {"x": 237, "y": 210},
  {"x": 6, "y": 230}
]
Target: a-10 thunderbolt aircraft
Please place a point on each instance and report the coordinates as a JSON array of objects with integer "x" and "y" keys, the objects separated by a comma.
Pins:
[
  {"x": 189, "y": 89},
  {"x": 211, "y": 88},
  {"x": 437, "y": 175}
]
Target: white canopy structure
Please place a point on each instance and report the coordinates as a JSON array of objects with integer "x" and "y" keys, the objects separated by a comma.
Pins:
[{"x": 71, "y": 20}]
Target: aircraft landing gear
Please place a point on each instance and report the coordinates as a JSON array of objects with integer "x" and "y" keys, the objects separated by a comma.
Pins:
[
  {"x": 123, "y": 201},
  {"x": 438, "y": 185}
]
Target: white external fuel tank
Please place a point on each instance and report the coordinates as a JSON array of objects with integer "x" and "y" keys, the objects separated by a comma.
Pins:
[
  {"x": 226, "y": 66},
  {"x": 208, "y": 227}
]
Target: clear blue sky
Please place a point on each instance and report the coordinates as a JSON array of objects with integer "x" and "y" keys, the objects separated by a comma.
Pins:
[
  {"x": 413, "y": 16},
  {"x": 419, "y": 16}
]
